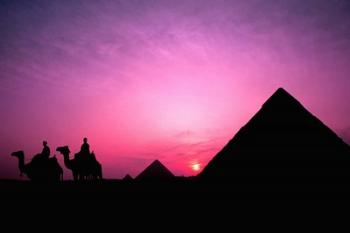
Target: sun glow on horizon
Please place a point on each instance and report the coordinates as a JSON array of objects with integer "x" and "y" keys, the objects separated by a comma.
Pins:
[{"x": 196, "y": 166}]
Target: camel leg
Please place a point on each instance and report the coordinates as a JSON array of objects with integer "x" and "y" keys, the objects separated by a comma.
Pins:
[{"x": 75, "y": 176}]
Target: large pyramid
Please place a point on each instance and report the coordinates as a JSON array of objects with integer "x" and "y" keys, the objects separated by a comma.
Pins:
[
  {"x": 282, "y": 139},
  {"x": 156, "y": 171}
]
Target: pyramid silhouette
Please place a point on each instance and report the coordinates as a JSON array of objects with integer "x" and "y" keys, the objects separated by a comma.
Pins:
[
  {"x": 154, "y": 172},
  {"x": 127, "y": 177},
  {"x": 282, "y": 139}
]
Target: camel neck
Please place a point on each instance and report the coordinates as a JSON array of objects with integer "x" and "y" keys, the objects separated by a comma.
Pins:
[
  {"x": 66, "y": 156},
  {"x": 21, "y": 165},
  {"x": 66, "y": 160}
]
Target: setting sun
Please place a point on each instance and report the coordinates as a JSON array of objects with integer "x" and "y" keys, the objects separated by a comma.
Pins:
[{"x": 196, "y": 166}]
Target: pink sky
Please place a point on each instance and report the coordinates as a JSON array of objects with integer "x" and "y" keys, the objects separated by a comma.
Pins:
[{"x": 167, "y": 80}]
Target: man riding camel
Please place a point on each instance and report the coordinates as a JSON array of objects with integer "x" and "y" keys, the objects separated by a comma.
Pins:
[
  {"x": 46, "y": 150},
  {"x": 85, "y": 148},
  {"x": 44, "y": 156}
]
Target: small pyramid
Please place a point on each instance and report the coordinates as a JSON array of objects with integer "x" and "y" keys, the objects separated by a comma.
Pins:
[
  {"x": 282, "y": 139},
  {"x": 154, "y": 172},
  {"x": 127, "y": 177}
]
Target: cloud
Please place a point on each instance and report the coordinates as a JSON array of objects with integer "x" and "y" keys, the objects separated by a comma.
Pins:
[{"x": 185, "y": 134}]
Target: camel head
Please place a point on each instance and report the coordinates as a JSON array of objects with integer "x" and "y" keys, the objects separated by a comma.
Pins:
[
  {"x": 18, "y": 154},
  {"x": 63, "y": 150}
]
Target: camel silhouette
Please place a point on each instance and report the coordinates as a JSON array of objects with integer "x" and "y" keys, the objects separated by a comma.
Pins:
[
  {"x": 82, "y": 168},
  {"x": 39, "y": 170}
]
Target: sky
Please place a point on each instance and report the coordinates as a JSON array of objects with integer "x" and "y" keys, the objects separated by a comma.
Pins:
[{"x": 162, "y": 79}]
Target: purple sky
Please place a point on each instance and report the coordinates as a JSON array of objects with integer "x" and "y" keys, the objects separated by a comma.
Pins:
[{"x": 169, "y": 80}]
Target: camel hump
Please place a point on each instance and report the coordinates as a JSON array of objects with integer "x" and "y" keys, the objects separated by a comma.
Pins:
[{"x": 37, "y": 158}]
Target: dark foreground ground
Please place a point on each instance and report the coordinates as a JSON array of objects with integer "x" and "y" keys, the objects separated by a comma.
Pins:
[{"x": 302, "y": 188}]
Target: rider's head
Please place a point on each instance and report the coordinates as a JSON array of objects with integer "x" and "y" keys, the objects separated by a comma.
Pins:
[
  {"x": 85, "y": 140},
  {"x": 44, "y": 143}
]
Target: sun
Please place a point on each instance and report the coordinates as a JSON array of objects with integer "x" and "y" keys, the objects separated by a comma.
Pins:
[{"x": 196, "y": 166}]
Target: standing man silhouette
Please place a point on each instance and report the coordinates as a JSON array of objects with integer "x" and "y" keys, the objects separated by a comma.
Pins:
[{"x": 46, "y": 150}]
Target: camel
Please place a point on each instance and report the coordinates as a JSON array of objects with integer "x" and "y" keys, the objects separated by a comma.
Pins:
[
  {"x": 39, "y": 170},
  {"x": 82, "y": 168}
]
